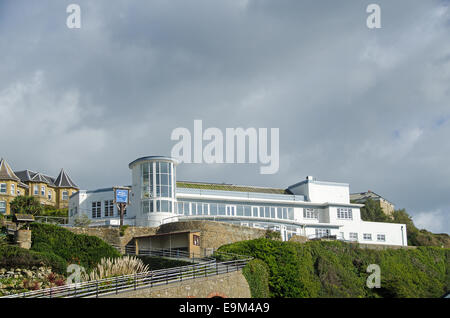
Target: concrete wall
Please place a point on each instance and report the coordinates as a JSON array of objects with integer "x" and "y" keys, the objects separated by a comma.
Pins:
[{"x": 231, "y": 285}]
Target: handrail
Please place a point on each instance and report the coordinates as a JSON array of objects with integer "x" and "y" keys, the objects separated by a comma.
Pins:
[{"x": 107, "y": 286}]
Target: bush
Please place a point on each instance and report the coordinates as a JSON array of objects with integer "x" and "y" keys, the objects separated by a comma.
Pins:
[
  {"x": 338, "y": 269},
  {"x": 16, "y": 257},
  {"x": 79, "y": 249},
  {"x": 155, "y": 263},
  {"x": 256, "y": 273},
  {"x": 110, "y": 267}
]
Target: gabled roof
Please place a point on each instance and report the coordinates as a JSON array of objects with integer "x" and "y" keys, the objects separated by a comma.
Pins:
[
  {"x": 64, "y": 181},
  {"x": 31, "y": 176},
  {"x": 6, "y": 173},
  {"x": 364, "y": 196}
]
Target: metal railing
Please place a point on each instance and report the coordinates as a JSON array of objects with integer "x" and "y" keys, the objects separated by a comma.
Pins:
[{"x": 119, "y": 284}]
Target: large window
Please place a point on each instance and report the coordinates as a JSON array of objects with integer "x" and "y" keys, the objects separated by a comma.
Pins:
[
  {"x": 2, "y": 207},
  {"x": 109, "y": 208},
  {"x": 310, "y": 213},
  {"x": 3, "y": 188},
  {"x": 344, "y": 214},
  {"x": 96, "y": 209},
  {"x": 222, "y": 209},
  {"x": 322, "y": 232}
]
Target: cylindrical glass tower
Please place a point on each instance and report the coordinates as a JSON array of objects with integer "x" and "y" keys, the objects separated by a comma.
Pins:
[{"x": 154, "y": 184}]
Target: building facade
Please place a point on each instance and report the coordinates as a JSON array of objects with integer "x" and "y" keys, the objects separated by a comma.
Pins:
[
  {"x": 309, "y": 208},
  {"x": 362, "y": 197},
  {"x": 48, "y": 190}
]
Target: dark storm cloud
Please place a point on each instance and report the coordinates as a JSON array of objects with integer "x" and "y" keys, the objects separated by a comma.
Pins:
[{"x": 367, "y": 107}]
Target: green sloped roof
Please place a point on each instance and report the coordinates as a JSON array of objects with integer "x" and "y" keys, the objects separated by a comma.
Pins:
[{"x": 230, "y": 187}]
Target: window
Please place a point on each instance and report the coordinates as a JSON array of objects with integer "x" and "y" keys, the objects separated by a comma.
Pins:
[
  {"x": 322, "y": 232},
  {"x": 196, "y": 240},
  {"x": 367, "y": 237},
  {"x": 3, "y": 207},
  {"x": 353, "y": 236},
  {"x": 50, "y": 194},
  {"x": 344, "y": 214},
  {"x": 42, "y": 191},
  {"x": 3, "y": 188},
  {"x": 96, "y": 209},
  {"x": 310, "y": 213},
  {"x": 36, "y": 189},
  {"x": 13, "y": 189},
  {"x": 255, "y": 211},
  {"x": 381, "y": 237},
  {"x": 109, "y": 208},
  {"x": 65, "y": 195}
]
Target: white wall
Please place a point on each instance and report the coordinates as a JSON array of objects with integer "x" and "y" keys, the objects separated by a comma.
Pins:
[{"x": 322, "y": 192}]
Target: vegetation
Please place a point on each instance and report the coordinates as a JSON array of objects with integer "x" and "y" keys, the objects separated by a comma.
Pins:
[
  {"x": 273, "y": 235},
  {"x": 256, "y": 272},
  {"x": 122, "y": 230},
  {"x": 15, "y": 257},
  {"x": 82, "y": 221},
  {"x": 111, "y": 267},
  {"x": 338, "y": 269},
  {"x": 73, "y": 248},
  {"x": 372, "y": 212},
  {"x": 26, "y": 205},
  {"x": 155, "y": 263}
]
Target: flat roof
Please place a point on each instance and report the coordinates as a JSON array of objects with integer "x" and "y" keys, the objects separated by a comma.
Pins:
[{"x": 153, "y": 158}]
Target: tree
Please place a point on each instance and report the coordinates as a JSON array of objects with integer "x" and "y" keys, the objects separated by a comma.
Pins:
[
  {"x": 371, "y": 211},
  {"x": 82, "y": 221},
  {"x": 26, "y": 205}
]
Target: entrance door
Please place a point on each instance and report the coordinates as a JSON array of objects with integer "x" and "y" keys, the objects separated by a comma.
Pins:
[{"x": 231, "y": 210}]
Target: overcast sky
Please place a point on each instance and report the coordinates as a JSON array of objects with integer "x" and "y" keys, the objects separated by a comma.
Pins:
[{"x": 368, "y": 107}]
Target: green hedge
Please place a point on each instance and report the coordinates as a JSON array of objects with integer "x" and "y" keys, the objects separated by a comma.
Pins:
[
  {"x": 155, "y": 263},
  {"x": 256, "y": 272},
  {"x": 73, "y": 248},
  {"x": 15, "y": 257},
  {"x": 338, "y": 269}
]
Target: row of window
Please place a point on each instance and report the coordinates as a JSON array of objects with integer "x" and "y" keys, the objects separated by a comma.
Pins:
[
  {"x": 222, "y": 209},
  {"x": 108, "y": 209},
  {"x": 157, "y": 179},
  {"x": 151, "y": 206},
  {"x": 4, "y": 190},
  {"x": 366, "y": 237}
]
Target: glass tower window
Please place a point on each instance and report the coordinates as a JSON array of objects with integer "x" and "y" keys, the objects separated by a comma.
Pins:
[{"x": 157, "y": 187}]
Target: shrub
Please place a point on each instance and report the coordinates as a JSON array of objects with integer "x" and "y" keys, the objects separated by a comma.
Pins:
[
  {"x": 110, "y": 267},
  {"x": 15, "y": 257},
  {"x": 256, "y": 272},
  {"x": 155, "y": 263},
  {"x": 82, "y": 249},
  {"x": 338, "y": 269}
]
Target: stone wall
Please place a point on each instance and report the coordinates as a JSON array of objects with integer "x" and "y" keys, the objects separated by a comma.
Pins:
[
  {"x": 212, "y": 234},
  {"x": 231, "y": 285},
  {"x": 112, "y": 236}
]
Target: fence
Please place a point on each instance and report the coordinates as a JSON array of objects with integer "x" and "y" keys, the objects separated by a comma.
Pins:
[{"x": 119, "y": 284}]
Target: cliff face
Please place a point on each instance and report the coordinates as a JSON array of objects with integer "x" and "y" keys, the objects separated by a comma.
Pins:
[{"x": 338, "y": 269}]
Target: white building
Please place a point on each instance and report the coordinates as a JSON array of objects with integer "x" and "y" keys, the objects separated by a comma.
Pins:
[{"x": 310, "y": 208}]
